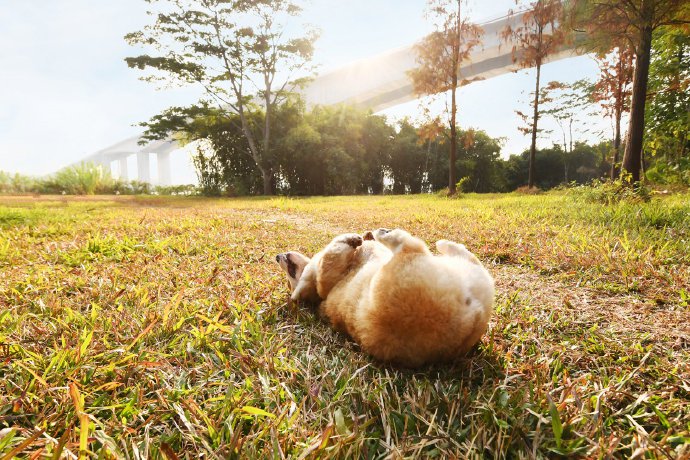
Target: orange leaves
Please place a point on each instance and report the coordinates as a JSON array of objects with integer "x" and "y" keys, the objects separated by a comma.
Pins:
[
  {"x": 539, "y": 35},
  {"x": 441, "y": 53},
  {"x": 614, "y": 87}
]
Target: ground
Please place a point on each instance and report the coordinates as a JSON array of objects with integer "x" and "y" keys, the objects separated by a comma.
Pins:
[{"x": 150, "y": 327}]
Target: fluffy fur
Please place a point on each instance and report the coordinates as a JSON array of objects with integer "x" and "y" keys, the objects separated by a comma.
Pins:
[{"x": 392, "y": 296}]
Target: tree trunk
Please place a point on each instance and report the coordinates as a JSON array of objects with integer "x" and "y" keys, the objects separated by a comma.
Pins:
[
  {"x": 266, "y": 173},
  {"x": 632, "y": 159},
  {"x": 452, "y": 180},
  {"x": 535, "y": 119},
  {"x": 616, "y": 143},
  {"x": 267, "y": 176}
]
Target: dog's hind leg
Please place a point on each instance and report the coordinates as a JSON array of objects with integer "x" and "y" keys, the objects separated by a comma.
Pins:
[{"x": 449, "y": 248}]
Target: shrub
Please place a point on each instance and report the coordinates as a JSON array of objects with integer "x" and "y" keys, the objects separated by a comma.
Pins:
[
  {"x": 611, "y": 192},
  {"x": 525, "y": 190},
  {"x": 82, "y": 179}
]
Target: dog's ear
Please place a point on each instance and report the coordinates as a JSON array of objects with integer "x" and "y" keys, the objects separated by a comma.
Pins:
[{"x": 368, "y": 236}]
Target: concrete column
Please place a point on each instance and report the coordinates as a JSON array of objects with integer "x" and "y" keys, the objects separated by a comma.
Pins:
[
  {"x": 124, "y": 174},
  {"x": 106, "y": 164},
  {"x": 143, "y": 168},
  {"x": 164, "y": 168}
]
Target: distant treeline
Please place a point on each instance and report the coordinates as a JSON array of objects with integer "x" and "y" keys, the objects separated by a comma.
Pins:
[{"x": 342, "y": 151}]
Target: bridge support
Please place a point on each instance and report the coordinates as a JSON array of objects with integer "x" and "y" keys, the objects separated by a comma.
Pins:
[
  {"x": 164, "y": 177},
  {"x": 123, "y": 172},
  {"x": 143, "y": 167}
]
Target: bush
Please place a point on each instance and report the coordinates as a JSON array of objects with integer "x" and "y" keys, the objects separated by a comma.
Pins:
[
  {"x": 178, "y": 190},
  {"x": 87, "y": 179},
  {"x": 82, "y": 179},
  {"x": 663, "y": 173},
  {"x": 525, "y": 190},
  {"x": 611, "y": 192},
  {"x": 16, "y": 183}
]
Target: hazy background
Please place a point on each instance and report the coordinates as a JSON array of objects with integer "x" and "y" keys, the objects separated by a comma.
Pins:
[{"x": 66, "y": 92}]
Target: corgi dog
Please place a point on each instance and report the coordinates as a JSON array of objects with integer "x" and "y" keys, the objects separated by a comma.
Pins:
[{"x": 397, "y": 300}]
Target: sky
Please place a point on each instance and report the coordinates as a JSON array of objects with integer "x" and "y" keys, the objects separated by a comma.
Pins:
[{"x": 66, "y": 92}]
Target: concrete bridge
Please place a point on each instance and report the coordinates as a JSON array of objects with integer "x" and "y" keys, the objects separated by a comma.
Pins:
[{"x": 375, "y": 83}]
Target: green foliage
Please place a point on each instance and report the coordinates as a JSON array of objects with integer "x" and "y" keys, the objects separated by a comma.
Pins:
[
  {"x": 85, "y": 179},
  {"x": 612, "y": 191},
  {"x": 555, "y": 167},
  {"x": 667, "y": 130},
  {"x": 408, "y": 159},
  {"x": 82, "y": 179},
  {"x": 342, "y": 150}
]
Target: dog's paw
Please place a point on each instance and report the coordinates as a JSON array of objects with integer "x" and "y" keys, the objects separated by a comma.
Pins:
[
  {"x": 351, "y": 239},
  {"x": 450, "y": 248},
  {"x": 390, "y": 238}
]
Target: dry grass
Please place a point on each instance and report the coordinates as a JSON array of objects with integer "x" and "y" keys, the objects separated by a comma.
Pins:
[{"x": 143, "y": 327}]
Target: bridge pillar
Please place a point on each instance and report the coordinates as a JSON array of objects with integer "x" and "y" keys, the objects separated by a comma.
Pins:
[
  {"x": 143, "y": 167},
  {"x": 124, "y": 173},
  {"x": 164, "y": 168}
]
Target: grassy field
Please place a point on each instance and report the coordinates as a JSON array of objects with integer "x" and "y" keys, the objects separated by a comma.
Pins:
[{"x": 146, "y": 327}]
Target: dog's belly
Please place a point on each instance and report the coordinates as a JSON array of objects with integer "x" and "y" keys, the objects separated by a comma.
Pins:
[{"x": 424, "y": 309}]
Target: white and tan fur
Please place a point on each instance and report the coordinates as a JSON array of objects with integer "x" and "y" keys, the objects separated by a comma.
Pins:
[{"x": 395, "y": 298}]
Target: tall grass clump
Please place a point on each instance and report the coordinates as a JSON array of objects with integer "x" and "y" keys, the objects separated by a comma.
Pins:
[
  {"x": 611, "y": 192},
  {"x": 82, "y": 179},
  {"x": 16, "y": 183},
  {"x": 87, "y": 179}
]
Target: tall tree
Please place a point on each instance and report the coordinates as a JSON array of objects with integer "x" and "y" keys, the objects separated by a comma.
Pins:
[
  {"x": 440, "y": 56},
  {"x": 632, "y": 21},
  {"x": 537, "y": 37},
  {"x": 238, "y": 51},
  {"x": 612, "y": 91}
]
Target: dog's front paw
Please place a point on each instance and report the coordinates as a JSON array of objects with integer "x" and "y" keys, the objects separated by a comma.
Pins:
[
  {"x": 450, "y": 247},
  {"x": 380, "y": 233},
  {"x": 351, "y": 239},
  {"x": 399, "y": 240},
  {"x": 390, "y": 238}
]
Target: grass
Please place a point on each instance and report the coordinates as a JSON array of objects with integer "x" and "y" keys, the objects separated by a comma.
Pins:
[{"x": 150, "y": 327}]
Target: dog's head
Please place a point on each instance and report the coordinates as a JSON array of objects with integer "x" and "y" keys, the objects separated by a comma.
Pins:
[
  {"x": 312, "y": 279},
  {"x": 293, "y": 264}
]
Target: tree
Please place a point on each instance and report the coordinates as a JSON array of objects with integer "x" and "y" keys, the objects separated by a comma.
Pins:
[
  {"x": 612, "y": 91},
  {"x": 229, "y": 47},
  {"x": 569, "y": 105},
  {"x": 480, "y": 158},
  {"x": 583, "y": 164},
  {"x": 440, "y": 56},
  {"x": 632, "y": 21},
  {"x": 407, "y": 160},
  {"x": 533, "y": 41},
  {"x": 223, "y": 161}
]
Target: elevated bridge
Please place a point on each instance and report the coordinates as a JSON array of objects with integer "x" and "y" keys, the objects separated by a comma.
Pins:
[{"x": 375, "y": 83}]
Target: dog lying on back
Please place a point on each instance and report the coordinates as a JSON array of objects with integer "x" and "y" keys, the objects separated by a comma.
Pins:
[{"x": 392, "y": 296}]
